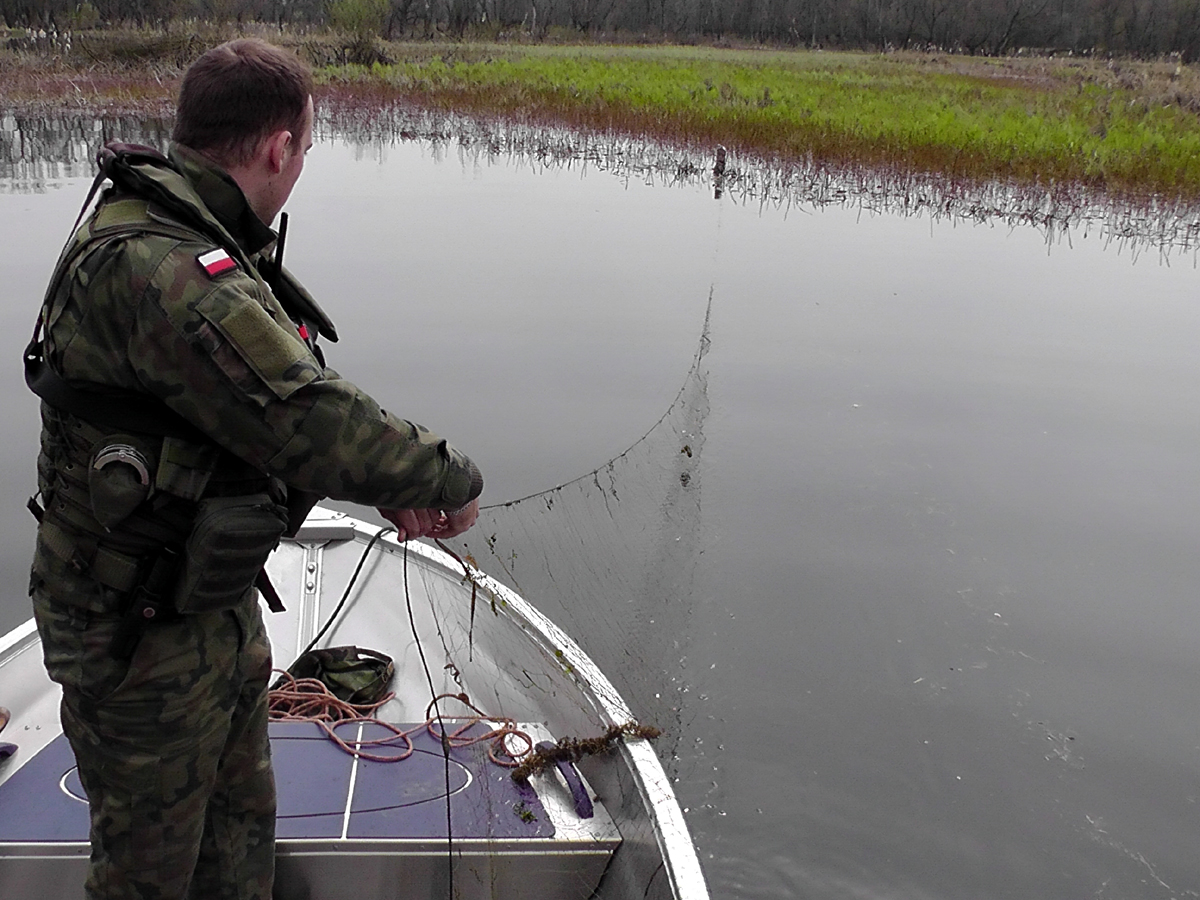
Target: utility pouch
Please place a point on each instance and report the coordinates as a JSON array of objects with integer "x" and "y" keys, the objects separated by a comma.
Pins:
[
  {"x": 119, "y": 479},
  {"x": 185, "y": 467},
  {"x": 227, "y": 548}
]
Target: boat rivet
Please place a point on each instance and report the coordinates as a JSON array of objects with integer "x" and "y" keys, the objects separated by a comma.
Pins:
[
  {"x": 312, "y": 567},
  {"x": 310, "y": 584}
]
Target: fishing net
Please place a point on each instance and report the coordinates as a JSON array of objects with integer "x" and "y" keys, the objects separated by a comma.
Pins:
[{"x": 610, "y": 557}]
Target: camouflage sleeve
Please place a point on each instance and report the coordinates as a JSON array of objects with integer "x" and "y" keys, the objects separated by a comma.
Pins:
[{"x": 237, "y": 369}]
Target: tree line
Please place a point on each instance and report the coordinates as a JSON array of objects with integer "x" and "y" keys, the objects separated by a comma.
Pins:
[{"x": 1142, "y": 28}]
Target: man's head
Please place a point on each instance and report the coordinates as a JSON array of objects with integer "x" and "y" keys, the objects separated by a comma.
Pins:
[
  {"x": 247, "y": 105},
  {"x": 238, "y": 94}
]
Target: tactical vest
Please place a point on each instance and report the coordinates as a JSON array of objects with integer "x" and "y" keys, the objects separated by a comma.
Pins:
[{"x": 123, "y": 477}]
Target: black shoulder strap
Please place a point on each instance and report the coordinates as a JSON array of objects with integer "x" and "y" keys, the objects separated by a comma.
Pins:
[{"x": 122, "y": 410}]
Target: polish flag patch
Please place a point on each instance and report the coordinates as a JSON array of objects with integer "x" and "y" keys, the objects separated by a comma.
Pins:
[{"x": 214, "y": 262}]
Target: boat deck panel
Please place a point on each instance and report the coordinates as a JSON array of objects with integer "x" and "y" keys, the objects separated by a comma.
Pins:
[
  {"x": 37, "y": 802},
  {"x": 346, "y": 821},
  {"x": 316, "y": 781},
  {"x": 312, "y": 781}
]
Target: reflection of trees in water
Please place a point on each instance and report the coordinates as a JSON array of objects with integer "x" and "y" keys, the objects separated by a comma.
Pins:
[
  {"x": 1058, "y": 211},
  {"x": 36, "y": 150}
]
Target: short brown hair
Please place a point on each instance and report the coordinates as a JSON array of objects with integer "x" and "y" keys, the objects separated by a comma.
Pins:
[{"x": 239, "y": 93}]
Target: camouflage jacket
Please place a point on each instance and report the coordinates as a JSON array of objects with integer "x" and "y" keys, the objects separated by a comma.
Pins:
[{"x": 133, "y": 307}]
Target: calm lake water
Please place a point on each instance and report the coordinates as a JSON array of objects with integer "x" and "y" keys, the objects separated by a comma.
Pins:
[{"x": 945, "y": 633}]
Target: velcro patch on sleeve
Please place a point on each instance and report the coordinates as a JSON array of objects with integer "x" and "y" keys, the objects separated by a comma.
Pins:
[
  {"x": 214, "y": 262},
  {"x": 278, "y": 361}
]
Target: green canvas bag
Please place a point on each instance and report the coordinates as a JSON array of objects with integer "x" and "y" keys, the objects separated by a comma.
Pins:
[{"x": 355, "y": 675}]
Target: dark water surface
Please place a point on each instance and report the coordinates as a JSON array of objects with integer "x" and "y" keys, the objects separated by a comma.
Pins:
[{"x": 946, "y": 630}]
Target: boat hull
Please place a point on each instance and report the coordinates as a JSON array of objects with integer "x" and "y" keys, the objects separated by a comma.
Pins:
[{"x": 449, "y": 632}]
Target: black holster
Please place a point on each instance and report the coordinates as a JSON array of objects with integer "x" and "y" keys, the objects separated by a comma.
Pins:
[{"x": 149, "y": 602}]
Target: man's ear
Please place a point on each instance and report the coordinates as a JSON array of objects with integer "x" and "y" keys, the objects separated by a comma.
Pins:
[{"x": 276, "y": 149}]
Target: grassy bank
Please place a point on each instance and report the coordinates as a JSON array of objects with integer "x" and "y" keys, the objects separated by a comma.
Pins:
[
  {"x": 1037, "y": 120},
  {"x": 1132, "y": 128}
]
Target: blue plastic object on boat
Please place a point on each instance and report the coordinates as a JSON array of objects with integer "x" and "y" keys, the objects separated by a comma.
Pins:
[{"x": 566, "y": 768}]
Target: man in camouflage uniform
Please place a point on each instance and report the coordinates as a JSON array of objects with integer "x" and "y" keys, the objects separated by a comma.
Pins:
[{"x": 166, "y": 300}]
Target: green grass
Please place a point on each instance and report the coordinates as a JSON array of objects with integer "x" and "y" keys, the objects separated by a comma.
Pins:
[
  {"x": 896, "y": 111},
  {"x": 1132, "y": 129}
]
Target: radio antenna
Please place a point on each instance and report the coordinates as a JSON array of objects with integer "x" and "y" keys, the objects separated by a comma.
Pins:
[{"x": 283, "y": 220}]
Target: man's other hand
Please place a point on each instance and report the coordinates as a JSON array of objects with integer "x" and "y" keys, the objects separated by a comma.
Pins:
[
  {"x": 417, "y": 523},
  {"x": 456, "y": 522},
  {"x": 412, "y": 523}
]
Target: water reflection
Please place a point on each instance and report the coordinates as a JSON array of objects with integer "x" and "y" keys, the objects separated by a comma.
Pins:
[
  {"x": 35, "y": 150},
  {"x": 1055, "y": 210},
  {"x": 39, "y": 150}
]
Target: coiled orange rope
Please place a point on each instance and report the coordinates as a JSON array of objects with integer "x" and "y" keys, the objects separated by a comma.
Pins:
[
  {"x": 499, "y": 750},
  {"x": 310, "y": 700}
]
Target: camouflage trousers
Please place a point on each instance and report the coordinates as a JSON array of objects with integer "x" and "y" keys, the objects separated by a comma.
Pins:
[{"x": 172, "y": 750}]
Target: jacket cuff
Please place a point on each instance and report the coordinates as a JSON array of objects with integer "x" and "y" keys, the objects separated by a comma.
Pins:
[
  {"x": 463, "y": 486},
  {"x": 476, "y": 482}
]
